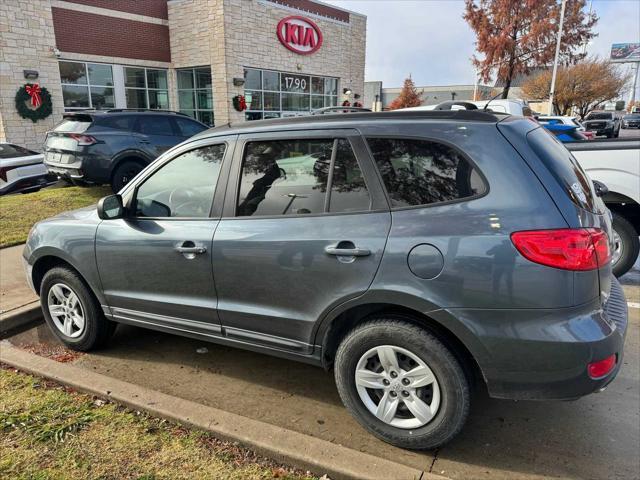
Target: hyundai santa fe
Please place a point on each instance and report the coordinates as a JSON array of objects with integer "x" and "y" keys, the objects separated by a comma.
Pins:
[{"x": 414, "y": 253}]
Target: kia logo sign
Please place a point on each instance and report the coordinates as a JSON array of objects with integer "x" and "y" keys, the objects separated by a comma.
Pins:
[{"x": 299, "y": 34}]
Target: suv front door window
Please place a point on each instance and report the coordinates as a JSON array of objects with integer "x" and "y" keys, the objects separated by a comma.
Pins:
[{"x": 167, "y": 234}]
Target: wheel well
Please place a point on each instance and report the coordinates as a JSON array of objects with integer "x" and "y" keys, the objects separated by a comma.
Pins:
[
  {"x": 624, "y": 206},
  {"x": 43, "y": 265},
  {"x": 349, "y": 319},
  {"x": 130, "y": 158}
]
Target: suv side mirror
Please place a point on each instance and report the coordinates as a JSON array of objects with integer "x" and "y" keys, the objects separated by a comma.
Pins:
[{"x": 110, "y": 207}]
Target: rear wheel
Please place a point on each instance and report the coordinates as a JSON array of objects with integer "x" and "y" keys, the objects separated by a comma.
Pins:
[
  {"x": 124, "y": 173},
  {"x": 402, "y": 384},
  {"x": 626, "y": 245},
  {"x": 72, "y": 312}
]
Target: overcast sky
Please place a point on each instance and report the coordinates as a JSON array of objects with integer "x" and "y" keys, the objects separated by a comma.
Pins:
[{"x": 430, "y": 40}]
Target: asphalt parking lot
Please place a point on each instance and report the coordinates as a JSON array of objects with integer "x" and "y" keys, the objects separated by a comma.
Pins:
[{"x": 595, "y": 437}]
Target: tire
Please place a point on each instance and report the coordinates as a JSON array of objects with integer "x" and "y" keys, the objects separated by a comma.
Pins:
[
  {"x": 96, "y": 329},
  {"x": 124, "y": 173},
  {"x": 629, "y": 245},
  {"x": 448, "y": 417}
]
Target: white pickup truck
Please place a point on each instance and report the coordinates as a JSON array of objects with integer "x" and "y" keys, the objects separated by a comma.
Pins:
[{"x": 616, "y": 163}]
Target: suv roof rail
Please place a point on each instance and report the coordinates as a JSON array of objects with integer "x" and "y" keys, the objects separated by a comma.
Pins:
[{"x": 146, "y": 110}]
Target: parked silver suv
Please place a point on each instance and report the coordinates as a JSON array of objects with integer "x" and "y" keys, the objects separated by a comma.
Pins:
[{"x": 414, "y": 252}]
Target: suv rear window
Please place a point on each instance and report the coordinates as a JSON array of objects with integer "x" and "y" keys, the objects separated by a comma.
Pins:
[
  {"x": 422, "y": 172},
  {"x": 564, "y": 167},
  {"x": 73, "y": 125}
]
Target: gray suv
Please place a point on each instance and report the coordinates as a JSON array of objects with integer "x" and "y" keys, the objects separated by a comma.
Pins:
[
  {"x": 113, "y": 146},
  {"x": 415, "y": 253}
]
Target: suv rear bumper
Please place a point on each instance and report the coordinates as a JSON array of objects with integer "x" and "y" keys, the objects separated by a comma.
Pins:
[{"x": 543, "y": 355}]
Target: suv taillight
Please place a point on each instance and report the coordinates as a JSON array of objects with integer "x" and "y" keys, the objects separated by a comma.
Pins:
[
  {"x": 83, "y": 140},
  {"x": 566, "y": 248}
]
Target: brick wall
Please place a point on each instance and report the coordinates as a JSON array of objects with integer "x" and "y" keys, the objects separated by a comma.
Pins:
[
  {"x": 82, "y": 32},
  {"x": 150, "y": 8},
  {"x": 27, "y": 40}
]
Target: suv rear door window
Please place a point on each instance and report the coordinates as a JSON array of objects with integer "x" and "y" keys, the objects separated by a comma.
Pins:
[
  {"x": 155, "y": 125},
  {"x": 120, "y": 122},
  {"x": 291, "y": 177},
  {"x": 188, "y": 128},
  {"x": 422, "y": 172}
]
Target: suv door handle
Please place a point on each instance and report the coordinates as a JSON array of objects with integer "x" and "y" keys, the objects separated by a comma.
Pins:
[
  {"x": 349, "y": 250},
  {"x": 190, "y": 249},
  {"x": 197, "y": 250}
]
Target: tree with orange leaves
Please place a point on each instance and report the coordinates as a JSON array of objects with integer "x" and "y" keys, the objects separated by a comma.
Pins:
[
  {"x": 515, "y": 35},
  {"x": 409, "y": 96},
  {"x": 585, "y": 86}
]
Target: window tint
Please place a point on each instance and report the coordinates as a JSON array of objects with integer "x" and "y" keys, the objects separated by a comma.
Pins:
[
  {"x": 564, "y": 167},
  {"x": 348, "y": 190},
  {"x": 188, "y": 127},
  {"x": 182, "y": 188},
  {"x": 599, "y": 116},
  {"x": 155, "y": 125},
  {"x": 284, "y": 177},
  {"x": 420, "y": 172},
  {"x": 121, "y": 122}
]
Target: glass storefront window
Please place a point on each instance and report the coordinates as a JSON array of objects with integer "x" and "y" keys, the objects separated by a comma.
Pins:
[
  {"x": 146, "y": 88},
  {"x": 195, "y": 96},
  {"x": 86, "y": 85},
  {"x": 280, "y": 94}
]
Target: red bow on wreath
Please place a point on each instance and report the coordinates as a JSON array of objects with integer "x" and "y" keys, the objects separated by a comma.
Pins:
[{"x": 34, "y": 93}]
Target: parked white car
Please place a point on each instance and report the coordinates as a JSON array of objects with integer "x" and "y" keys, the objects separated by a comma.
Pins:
[
  {"x": 499, "y": 105},
  {"x": 616, "y": 163},
  {"x": 22, "y": 170}
]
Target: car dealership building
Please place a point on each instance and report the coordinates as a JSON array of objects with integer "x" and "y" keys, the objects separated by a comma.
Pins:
[{"x": 216, "y": 60}]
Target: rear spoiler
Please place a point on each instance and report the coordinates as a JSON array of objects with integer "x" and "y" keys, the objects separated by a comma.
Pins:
[{"x": 78, "y": 116}]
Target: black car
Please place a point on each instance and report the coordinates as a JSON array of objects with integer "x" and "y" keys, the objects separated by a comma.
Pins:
[
  {"x": 602, "y": 123},
  {"x": 113, "y": 146},
  {"x": 631, "y": 121}
]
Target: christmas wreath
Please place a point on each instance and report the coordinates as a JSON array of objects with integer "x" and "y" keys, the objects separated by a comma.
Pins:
[
  {"x": 33, "y": 102},
  {"x": 239, "y": 103}
]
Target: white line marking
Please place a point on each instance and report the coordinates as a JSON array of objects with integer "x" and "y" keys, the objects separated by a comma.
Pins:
[{"x": 633, "y": 305}]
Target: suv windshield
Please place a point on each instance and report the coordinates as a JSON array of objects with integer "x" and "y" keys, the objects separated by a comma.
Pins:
[
  {"x": 599, "y": 116},
  {"x": 632, "y": 117},
  {"x": 564, "y": 167}
]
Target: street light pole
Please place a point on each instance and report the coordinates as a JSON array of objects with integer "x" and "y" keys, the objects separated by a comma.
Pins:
[{"x": 555, "y": 61}]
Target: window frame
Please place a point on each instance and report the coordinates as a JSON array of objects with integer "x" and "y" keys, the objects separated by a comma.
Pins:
[
  {"x": 459, "y": 150},
  {"x": 131, "y": 190},
  {"x": 280, "y": 112},
  {"x": 194, "y": 93},
  {"x": 88, "y": 85},
  {"x": 146, "y": 87},
  {"x": 378, "y": 203}
]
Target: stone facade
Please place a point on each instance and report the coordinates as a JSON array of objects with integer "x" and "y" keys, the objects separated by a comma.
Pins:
[
  {"x": 26, "y": 43},
  {"x": 226, "y": 35},
  {"x": 232, "y": 34}
]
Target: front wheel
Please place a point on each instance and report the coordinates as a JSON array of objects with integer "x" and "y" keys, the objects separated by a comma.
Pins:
[
  {"x": 626, "y": 245},
  {"x": 72, "y": 312},
  {"x": 402, "y": 384}
]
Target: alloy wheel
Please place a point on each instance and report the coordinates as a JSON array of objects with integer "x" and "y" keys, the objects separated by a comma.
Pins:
[
  {"x": 397, "y": 387},
  {"x": 66, "y": 310}
]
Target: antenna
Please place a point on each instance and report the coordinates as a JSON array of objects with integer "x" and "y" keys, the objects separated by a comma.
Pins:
[{"x": 491, "y": 100}]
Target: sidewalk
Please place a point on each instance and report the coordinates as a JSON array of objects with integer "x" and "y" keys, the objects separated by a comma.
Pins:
[{"x": 18, "y": 304}]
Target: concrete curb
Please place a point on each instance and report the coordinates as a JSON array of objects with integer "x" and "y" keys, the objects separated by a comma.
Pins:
[
  {"x": 20, "y": 318},
  {"x": 282, "y": 445}
]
